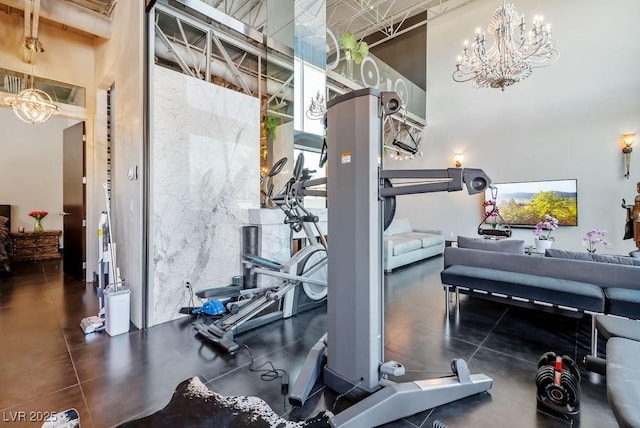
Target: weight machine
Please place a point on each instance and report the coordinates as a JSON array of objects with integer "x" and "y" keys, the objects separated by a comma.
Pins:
[
  {"x": 350, "y": 356},
  {"x": 303, "y": 277}
]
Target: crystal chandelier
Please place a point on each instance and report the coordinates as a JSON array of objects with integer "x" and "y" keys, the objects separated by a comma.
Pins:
[
  {"x": 32, "y": 105},
  {"x": 512, "y": 56}
]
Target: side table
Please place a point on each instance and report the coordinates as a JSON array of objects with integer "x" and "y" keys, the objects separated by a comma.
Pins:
[{"x": 43, "y": 245}]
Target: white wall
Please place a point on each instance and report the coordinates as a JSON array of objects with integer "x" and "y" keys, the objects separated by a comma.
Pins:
[
  {"x": 120, "y": 61},
  {"x": 31, "y": 169},
  {"x": 565, "y": 121}
]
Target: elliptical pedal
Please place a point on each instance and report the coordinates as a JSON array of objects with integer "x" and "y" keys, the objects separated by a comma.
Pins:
[
  {"x": 219, "y": 292},
  {"x": 212, "y": 334}
]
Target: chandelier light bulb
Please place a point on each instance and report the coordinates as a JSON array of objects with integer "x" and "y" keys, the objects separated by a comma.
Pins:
[{"x": 514, "y": 54}]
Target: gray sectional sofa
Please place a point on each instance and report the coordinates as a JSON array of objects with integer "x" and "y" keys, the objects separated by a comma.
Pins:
[
  {"x": 561, "y": 281},
  {"x": 404, "y": 245}
]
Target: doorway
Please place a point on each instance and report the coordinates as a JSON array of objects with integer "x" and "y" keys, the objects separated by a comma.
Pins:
[
  {"x": 74, "y": 201},
  {"x": 31, "y": 175}
]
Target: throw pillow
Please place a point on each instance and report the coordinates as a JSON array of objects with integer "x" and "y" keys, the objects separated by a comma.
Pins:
[{"x": 511, "y": 246}]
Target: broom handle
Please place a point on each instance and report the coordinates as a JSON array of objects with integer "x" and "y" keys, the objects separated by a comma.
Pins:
[{"x": 112, "y": 248}]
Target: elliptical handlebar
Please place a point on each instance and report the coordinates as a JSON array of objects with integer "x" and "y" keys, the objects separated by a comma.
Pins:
[
  {"x": 277, "y": 167},
  {"x": 298, "y": 168},
  {"x": 290, "y": 198}
]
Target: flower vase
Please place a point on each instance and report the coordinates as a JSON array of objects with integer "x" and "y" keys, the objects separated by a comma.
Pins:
[
  {"x": 348, "y": 64},
  {"x": 542, "y": 245},
  {"x": 38, "y": 225}
]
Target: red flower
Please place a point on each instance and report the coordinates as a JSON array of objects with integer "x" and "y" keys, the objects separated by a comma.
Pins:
[{"x": 38, "y": 214}]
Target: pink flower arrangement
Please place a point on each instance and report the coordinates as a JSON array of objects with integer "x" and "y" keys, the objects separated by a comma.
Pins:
[
  {"x": 549, "y": 225},
  {"x": 38, "y": 215},
  {"x": 594, "y": 238}
]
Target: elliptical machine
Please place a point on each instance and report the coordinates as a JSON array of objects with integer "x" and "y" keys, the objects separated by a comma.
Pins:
[{"x": 303, "y": 278}]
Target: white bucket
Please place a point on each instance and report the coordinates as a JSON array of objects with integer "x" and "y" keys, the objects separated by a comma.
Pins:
[{"x": 116, "y": 311}]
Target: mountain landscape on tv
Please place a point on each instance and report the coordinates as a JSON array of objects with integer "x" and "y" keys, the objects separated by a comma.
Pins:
[{"x": 525, "y": 204}]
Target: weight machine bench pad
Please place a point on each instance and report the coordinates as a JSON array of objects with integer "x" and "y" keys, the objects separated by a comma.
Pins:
[{"x": 623, "y": 380}]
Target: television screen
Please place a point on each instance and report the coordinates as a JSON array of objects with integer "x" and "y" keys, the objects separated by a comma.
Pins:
[{"x": 524, "y": 204}]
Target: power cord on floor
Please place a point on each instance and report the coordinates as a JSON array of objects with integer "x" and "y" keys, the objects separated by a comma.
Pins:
[
  {"x": 190, "y": 288},
  {"x": 271, "y": 374}
]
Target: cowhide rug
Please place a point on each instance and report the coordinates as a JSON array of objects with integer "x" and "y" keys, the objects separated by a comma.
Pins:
[{"x": 195, "y": 405}]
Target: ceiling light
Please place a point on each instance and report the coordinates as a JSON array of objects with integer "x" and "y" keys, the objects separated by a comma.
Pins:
[
  {"x": 512, "y": 56},
  {"x": 32, "y": 105}
]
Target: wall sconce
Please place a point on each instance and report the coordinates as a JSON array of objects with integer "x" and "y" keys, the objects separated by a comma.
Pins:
[
  {"x": 628, "y": 140},
  {"x": 458, "y": 158}
]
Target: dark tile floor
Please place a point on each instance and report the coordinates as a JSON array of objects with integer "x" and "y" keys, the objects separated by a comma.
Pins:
[{"x": 47, "y": 364}]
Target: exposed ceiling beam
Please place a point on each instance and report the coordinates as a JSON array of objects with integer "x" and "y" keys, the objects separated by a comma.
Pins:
[
  {"x": 28, "y": 7},
  {"x": 69, "y": 14}
]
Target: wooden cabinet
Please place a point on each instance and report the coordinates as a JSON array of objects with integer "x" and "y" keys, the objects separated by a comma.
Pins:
[{"x": 36, "y": 245}]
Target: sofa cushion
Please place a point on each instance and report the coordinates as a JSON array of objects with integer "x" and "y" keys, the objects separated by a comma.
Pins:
[
  {"x": 623, "y": 380},
  {"x": 624, "y": 302},
  {"x": 427, "y": 239},
  {"x": 602, "y": 258},
  {"x": 512, "y": 246},
  {"x": 403, "y": 244},
  {"x": 397, "y": 226},
  {"x": 564, "y": 292}
]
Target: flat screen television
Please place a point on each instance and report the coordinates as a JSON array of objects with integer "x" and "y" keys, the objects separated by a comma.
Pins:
[{"x": 524, "y": 204}]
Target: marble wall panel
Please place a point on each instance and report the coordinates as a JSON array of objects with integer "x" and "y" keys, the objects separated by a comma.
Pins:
[{"x": 204, "y": 179}]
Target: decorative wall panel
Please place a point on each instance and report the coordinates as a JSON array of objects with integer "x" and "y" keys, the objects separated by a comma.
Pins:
[{"x": 204, "y": 179}]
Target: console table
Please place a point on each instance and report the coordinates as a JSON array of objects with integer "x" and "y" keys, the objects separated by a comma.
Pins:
[{"x": 36, "y": 245}]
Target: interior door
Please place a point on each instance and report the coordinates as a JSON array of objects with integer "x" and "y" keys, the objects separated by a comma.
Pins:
[{"x": 73, "y": 189}]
